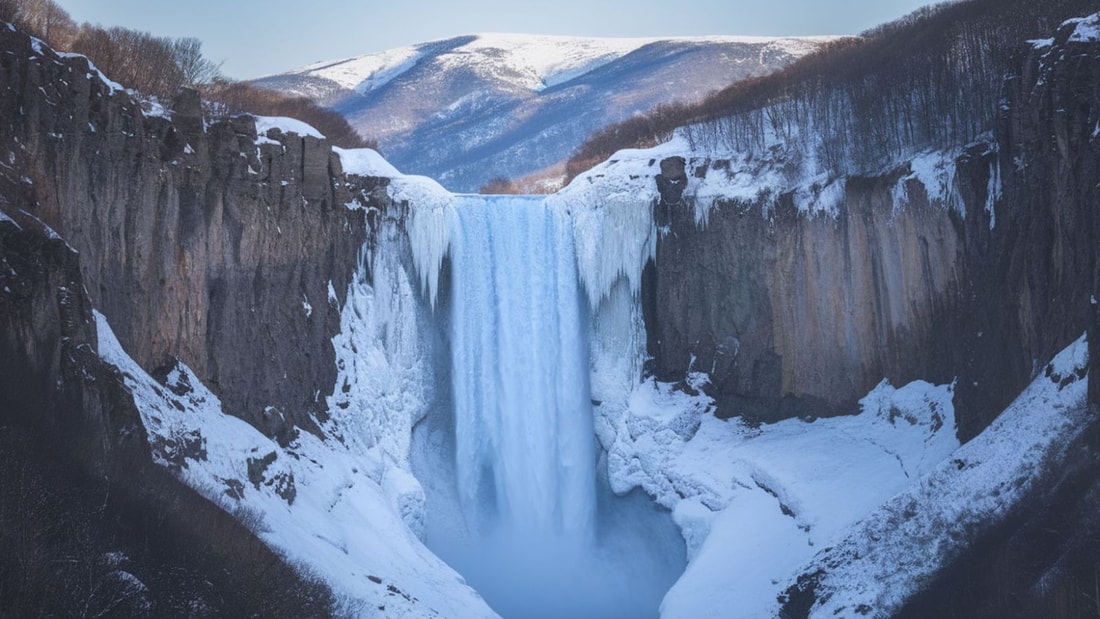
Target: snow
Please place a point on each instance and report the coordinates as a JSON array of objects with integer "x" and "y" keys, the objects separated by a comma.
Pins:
[
  {"x": 542, "y": 61},
  {"x": 611, "y": 207},
  {"x": 1086, "y": 30},
  {"x": 344, "y": 521},
  {"x": 265, "y": 124},
  {"x": 430, "y": 225},
  {"x": 365, "y": 162},
  {"x": 112, "y": 85},
  {"x": 795, "y": 485},
  {"x": 886, "y": 556},
  {"x": 365, "y": 73},
  {"x": 4, "y": 218},
  {"x": 935, "y": 170}
]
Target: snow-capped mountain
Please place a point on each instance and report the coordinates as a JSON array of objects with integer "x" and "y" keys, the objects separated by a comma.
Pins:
[{"x": 473, "y": 108}]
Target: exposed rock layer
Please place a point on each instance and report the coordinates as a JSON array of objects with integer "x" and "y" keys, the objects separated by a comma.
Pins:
[{"x": 195, "y": 240}]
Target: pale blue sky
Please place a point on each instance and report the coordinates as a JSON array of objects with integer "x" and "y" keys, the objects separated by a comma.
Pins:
[{"x": 258, "y": 37}]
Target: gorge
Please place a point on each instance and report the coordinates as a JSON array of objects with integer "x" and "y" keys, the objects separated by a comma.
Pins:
[{"x": 816, "y": 352}]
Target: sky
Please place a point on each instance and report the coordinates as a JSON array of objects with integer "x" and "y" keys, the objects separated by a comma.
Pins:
[{"x": 253, "y": 38}]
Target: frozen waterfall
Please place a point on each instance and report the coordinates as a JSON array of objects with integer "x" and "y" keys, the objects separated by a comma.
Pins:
[
  {"x": 525, "y": 455},
  {"x": 516, "y": 500}
]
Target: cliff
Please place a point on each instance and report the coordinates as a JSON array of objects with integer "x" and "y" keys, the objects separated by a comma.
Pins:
[
  {"x": 198, "y": 239},
  {"x": 88, "y": 523},
  {"x": 979, "y": 270}
]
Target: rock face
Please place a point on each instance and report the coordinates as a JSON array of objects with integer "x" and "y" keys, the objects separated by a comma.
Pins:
[
  {"x": 802, "y": 315},
  {"x": 1041, "y": 561},
  {"x": 51, "y": 378},
  {"x": 196, "y": 240},
  {"x": 91, "y": 524},
  {"x": 793, "y": 313}
]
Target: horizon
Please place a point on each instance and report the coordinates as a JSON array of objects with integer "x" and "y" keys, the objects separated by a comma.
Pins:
[{"x": 261, "y": 50}]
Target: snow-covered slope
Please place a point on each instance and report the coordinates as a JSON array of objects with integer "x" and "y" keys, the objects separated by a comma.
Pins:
[
  {"x": 341, "y": 507},
  {"x": 473, "y": 108},
  {"x": 899, "y": 547}
]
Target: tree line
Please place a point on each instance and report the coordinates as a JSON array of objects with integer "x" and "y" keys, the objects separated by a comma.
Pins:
[
  {"x": 160, "y": 66},
  {"x": 934, "y": 77}
]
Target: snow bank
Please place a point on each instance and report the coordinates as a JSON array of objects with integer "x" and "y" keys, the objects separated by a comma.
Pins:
[
  {"x": 1086, "y": 30},
  {"x": 365, "y": 162},
  {"x": 315, "y": 501},
  {"x": 265, "y": 124},
  {"x": 891, "y": 553},
  {"x": 754, "y": 503}
]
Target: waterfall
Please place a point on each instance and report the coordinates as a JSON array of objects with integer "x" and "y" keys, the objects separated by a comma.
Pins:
[{"x": 524, "y": 446}]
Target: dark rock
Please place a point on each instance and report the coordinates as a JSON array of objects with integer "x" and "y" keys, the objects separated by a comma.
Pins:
[
  {"x": 796, "y": 314},
  {"x": 672, "y": 180},
  {"x": 83, "y": 497},
  {"x": 195, "y": 243},
  {"x": 187, "y": 112}
]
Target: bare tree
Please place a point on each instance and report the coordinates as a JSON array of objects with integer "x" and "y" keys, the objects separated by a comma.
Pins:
[{"x": 196, "y": 69}]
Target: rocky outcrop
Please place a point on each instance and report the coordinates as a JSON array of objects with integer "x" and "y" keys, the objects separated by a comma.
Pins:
[
  {"x": 197, "y": 239},
  {"x": 88, "y": 523},
  {"x": 51, "y": 378},
  {"x": 794, "y": 313}
]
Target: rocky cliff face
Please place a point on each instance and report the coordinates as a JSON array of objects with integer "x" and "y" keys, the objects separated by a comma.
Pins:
[
  {"x": 204, "y": 241},
  {"x": 1041, "y": 562},
  {"x": 794, "y": 313},
  {"x": 91, "y": 525},
  {"x": 52, "y": 379}
]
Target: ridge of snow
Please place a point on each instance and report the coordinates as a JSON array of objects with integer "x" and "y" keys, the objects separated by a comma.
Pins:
[
  {"x": 365, "y": 73},
  {"x": 265, "y": 124},
  {"x": 543, "y": 60},
  {"x": 1086, "y": 30},
  {"x": 365, "y": 162}
]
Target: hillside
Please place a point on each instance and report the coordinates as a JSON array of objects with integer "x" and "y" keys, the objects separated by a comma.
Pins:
[{"x": 474, "y": 108}]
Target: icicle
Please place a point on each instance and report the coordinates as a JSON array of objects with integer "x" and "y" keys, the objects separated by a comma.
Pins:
[{"x": 615, "y": 236}]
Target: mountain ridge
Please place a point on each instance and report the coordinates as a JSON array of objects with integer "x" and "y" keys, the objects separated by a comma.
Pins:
[{"x": 476, "y": 107}]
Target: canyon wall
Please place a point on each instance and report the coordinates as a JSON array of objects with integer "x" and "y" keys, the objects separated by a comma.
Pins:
[
  {"x": 197, "y": 239},
  {"x": 796, "y": 313}
]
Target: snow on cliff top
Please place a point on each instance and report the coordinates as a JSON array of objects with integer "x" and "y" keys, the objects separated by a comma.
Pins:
[
  {"x": 546, "y": 60},
  {"x": 264, "y": 124},
  {"x": 1087, "y": 30}
]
